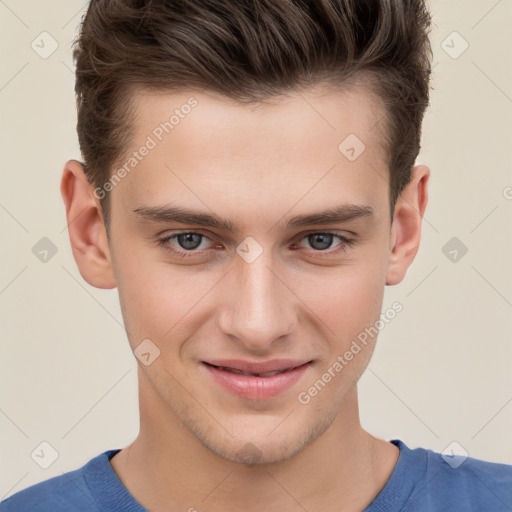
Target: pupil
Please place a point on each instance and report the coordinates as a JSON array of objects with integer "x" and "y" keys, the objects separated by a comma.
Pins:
[
  {"x": 189, "y": 240},
  {"x": 325, "y": 240}
]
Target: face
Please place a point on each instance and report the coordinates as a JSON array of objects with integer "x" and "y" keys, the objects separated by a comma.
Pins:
[{"x": 251, "y": 277}]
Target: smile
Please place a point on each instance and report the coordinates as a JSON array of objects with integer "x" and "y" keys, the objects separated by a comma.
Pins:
[{"x": 238, "y": 378}]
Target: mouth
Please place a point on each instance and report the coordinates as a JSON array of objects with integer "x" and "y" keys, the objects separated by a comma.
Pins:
[
  {"x": 240, "y": 372},
  {"x": 259, "y": 380}
]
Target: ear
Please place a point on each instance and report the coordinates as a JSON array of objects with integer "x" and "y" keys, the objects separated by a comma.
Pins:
[
  {"x": 406, "y": 226},
  {"x": 86, "y": 228}
]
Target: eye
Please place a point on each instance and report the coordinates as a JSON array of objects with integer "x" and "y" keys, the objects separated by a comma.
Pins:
[
  {"x": 186, "y": 245},
  {"x": 321, "y": 241},
  {"x": 189, "y": 241}
]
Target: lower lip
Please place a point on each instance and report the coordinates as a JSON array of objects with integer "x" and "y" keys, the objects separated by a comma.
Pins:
[{"x": 257, "y": 388}]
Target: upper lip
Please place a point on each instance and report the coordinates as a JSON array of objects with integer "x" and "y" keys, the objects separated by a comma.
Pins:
[{"x": 258, "y": 366}]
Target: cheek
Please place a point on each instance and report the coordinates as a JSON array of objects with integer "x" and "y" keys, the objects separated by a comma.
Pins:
[
  {"x": 349, "y": 307},
  {"x": 156, "y": 297},
  {"x": 347, "y": 298}
]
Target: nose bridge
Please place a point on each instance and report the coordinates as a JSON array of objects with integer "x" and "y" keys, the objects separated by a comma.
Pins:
[{"x": 262, "y": 307}]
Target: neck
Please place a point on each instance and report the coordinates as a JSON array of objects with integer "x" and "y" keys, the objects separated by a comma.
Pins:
[{"x": 166, "y": 467}]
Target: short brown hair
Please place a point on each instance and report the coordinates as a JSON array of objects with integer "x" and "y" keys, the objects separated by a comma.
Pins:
[{"x": 250, "y": 50}]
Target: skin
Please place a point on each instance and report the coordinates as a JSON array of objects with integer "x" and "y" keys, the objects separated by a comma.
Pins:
[{"x": 200, "y": 446}]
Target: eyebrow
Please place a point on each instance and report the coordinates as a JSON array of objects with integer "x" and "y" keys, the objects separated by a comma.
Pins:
[{"x": 169, "y": 213}]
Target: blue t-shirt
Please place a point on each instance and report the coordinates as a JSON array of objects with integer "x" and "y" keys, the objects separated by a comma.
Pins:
[{"x": 422, "y": 481}]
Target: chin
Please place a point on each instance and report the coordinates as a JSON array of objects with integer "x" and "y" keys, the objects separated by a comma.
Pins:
[
  {"x": 251, "y": 453},
  {"x": 258, "y": 447}
]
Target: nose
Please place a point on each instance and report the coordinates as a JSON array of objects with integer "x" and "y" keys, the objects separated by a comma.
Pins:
[{"x": 260, "y": 307}]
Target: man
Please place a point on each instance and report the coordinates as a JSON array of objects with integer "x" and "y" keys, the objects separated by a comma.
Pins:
[{"x": 249, "y": 187}]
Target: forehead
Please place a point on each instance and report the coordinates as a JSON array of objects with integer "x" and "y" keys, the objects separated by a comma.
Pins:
[
  {"x": 319, "y": 110},
  {"x": 203, "y": 145}
]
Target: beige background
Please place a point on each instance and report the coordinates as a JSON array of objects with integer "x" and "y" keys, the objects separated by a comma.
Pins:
[{"x": 442, "y": 369}]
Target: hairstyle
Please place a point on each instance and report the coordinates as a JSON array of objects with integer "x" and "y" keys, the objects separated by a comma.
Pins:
[{"x": 250, "y": 51}]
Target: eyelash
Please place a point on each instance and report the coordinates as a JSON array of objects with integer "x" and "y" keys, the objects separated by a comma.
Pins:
[{"x": 345, "y": 244}]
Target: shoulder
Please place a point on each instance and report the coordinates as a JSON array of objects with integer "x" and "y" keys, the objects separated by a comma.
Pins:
[
  {"x": 457, "y": 482},
  {"x": 60, "y": 493},
  {"x": 68, "y": 492}
]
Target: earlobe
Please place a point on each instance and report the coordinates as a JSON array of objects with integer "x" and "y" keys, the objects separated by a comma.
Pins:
[
  {"x": 86, "y": 228},
  {"x": 406, "y": 228}
]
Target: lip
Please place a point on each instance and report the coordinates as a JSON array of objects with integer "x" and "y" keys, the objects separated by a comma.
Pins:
[{"x": 256, "y": 387}]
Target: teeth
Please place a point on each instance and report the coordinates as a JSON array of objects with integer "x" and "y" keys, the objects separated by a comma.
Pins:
[
  {"x": 269, "y": 374},
  {"x": 266, "y": 374}
]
